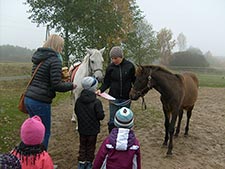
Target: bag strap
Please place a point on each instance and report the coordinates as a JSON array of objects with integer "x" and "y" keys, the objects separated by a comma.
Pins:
[{"x": 35, "y": 71}]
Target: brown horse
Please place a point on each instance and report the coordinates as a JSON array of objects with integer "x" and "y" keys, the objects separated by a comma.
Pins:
[{"x": 178, "y": 92}]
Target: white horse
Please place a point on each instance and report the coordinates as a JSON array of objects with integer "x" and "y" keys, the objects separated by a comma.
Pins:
[{"x": 92, "y": 65}]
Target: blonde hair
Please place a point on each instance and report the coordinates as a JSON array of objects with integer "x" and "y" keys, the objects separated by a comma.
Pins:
[{"x": 54, "y": 42}]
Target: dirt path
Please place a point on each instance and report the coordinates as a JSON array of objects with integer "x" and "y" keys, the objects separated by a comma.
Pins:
[{"x": 203, "y": 149}]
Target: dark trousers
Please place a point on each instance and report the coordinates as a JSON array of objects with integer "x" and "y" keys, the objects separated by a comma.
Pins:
[{"x": 87, "y": 148}]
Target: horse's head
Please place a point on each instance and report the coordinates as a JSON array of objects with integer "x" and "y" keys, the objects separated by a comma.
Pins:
[
  {"x": 95, "y": 63},
  {"x": 142, "y": 84}
]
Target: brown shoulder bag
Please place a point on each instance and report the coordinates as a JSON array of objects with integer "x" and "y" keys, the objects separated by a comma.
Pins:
[{"x": 21, "y": 105}]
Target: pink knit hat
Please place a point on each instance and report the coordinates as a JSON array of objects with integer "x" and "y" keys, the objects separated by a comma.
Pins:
[{"x": 32, "y": 131}]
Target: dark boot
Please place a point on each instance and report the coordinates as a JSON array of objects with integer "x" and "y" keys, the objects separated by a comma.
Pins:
[
  {"x": 89, "y": 165},
  {"x": 81, "y": 165}
]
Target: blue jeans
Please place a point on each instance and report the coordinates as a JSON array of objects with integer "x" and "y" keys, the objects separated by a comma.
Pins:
[
  {"x": 113, "y": 107},
  {"x": 43, "y": 110}
]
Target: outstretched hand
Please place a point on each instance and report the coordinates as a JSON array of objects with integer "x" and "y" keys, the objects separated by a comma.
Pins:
[
  {"x": 98, "y": 92},
  {"x": 74, "y": 86}
]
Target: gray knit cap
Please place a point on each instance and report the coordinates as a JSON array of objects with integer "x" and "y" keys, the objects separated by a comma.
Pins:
[
  {"x": 116, "y": 51},
  {"x": 89, "y": 83}
]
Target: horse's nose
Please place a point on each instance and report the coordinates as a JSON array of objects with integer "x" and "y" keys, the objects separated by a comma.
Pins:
[{"x": 133, "y": 95}]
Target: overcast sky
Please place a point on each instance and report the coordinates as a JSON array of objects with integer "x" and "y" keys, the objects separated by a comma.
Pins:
[{"x": 201, "y": 21}]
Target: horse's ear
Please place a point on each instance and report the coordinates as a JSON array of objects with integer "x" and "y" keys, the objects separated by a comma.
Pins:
[
  {"x": 139, "y": 66},
  {"x": 89, "y": 51},
  {"x": 102, "y": 50}
]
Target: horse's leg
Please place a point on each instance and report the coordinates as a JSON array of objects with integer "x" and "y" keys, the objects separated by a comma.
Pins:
[
  {"x": 171, "y": 132},
  {"x": 166, "y": 124},
  {"x": 179, "y": 122},
  {"x": 189, "y": 113},
  {"x": 73, "y": 119}
]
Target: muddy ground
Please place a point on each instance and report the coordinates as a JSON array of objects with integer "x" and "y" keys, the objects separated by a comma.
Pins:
[{"x": 204, "y": 148}]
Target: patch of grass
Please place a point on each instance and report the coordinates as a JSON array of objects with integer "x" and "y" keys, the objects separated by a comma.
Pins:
[
  {"x": 11, "y": 118},
  {"x": 15, "y": 69},
  {"x": 209, "y": 80}
]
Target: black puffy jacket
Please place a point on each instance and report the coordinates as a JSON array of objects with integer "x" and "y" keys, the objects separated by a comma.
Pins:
[
  {"x": 89, "y": 111},
  {"x": 48, "y": 78},
  {"x": 119, "y": 79}
]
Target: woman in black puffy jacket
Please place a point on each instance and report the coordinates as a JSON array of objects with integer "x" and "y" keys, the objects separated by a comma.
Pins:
[{"x": 46, "y": 82}]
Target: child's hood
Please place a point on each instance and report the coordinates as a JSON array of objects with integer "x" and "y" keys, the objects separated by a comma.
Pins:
[{"x": 122, "y": 138}]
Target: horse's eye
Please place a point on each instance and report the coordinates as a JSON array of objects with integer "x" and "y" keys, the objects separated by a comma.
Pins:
[{"x": 92, "y": 61}]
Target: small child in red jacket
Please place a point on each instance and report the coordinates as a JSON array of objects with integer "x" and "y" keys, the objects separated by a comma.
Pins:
[
  {"x": 121, "y": 148},
  {"x": 31, "y": 152}
]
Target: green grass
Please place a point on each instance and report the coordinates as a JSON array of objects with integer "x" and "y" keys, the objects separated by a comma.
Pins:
[
  {"x": 208, "y": 80},
  {"x": 15, "y": 69},
  {"x": 10, "y": 117}
]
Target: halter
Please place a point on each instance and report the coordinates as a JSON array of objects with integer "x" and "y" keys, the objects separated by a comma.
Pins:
[
  {"x": 142, "y": 92},
  {"x": 147, "y": 88},
  {"x": 90, "y": 70}
]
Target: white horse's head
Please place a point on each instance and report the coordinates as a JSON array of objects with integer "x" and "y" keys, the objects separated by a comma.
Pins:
[{"x": 95, "y": 63}]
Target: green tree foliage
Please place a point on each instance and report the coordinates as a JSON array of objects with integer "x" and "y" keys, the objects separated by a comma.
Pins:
[
  {"x": 189, "y": 58},
  {"x": 9, "y": 53},
  {"x": 141, "y": 45},
  {"x": 165, "y": 45},
  {"x": 85, "y": 23}
]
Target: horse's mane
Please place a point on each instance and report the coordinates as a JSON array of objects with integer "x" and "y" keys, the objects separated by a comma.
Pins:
[
  {"x": 86, "y": 57},
  {"x": 155, "y": 67},
  {"x": 161, "y": 68}
]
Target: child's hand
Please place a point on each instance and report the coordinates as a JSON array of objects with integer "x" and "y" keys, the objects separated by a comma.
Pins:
[
  {"x": 74, "y": 86},
  {"x": 98, "y": 92}
]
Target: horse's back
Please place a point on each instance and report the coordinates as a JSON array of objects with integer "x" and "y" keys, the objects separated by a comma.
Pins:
[{"x": 191, "y": 85}]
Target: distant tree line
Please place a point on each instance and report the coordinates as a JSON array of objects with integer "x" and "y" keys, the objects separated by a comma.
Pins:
[
  {"x": 9, "y": 53},
  {"x": 192, "y": 57}
]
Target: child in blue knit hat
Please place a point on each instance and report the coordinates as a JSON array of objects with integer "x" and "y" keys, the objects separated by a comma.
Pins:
[
  {"x": 121, "y": 148},
  {"x": 89, "y": 111}
]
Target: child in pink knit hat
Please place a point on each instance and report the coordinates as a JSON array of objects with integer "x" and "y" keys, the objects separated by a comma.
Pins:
[{"x": 31, "y": 152}]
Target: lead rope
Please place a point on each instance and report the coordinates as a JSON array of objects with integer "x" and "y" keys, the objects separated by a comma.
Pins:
[
  {"x": 122, "y": 103},
  {"x": 143, "y": 103}
]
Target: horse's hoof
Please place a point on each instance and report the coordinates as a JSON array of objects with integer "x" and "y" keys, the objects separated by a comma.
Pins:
[
  {"x": 176, "y": 135},
  {"x": 169, "y": 153},
  {"x": 164, "y": 145},
  {"x": 185, "y": 134},
  {"x": 73, "y": 120}
]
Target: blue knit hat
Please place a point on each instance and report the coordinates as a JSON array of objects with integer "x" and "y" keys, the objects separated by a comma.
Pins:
[
  {"x": 124, "y": 118},
  {"x": 90, "y": 83},
  {"x": 8, "y": 161}
]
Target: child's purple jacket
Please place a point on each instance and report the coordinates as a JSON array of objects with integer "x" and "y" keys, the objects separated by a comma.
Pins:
[{"x": 120, "y": 150}]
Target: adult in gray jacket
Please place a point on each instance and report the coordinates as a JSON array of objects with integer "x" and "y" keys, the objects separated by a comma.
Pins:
[{"x": 46, "y": 82}]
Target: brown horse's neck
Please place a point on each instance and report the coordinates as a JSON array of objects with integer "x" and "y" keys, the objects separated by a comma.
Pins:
[{"x": 163, "y": 81}]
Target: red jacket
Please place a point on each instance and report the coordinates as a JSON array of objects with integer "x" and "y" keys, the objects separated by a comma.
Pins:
[{"x": 43, "y": 161}]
